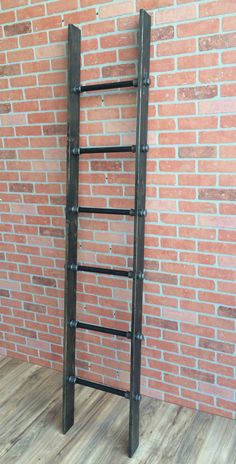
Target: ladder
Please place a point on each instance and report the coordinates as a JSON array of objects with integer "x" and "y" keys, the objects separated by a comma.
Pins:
[{"x": 74, "y": 151}]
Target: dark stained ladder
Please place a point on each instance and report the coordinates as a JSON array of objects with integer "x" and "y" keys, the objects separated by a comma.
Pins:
[{"x": 74, "y": 151}]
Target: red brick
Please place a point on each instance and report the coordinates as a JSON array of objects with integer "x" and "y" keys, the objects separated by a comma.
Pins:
[
  {"x": 17, "y": 28},
  {"x": 227, "y": 312},
  {"x": 119, "y": 40},
  {"x": 197, "y": 93},
  {"x": 176, "y": 47},
  {"x": 199, "y": 123},
  {"x": 216, "y": 75},
  {"x": 215, "y": 7},
  {"x": 218, "y": 137},
  {"x": 59, "y": 6},
  {"x": 30, "y": 12},
  {"x": 217, "y": 42},
  {"x": 148, "y": 4},
  {"x": 118, "y": 70},
  {"x": 228, "y": 23},
  {"x": 9, "y": 70},
  {"x": 103, "y": 27},
  {"x": 7, "y": 17},
  {"x": 80, "y": 16},
  {"x": 8, "y": 44},
  {"x": 7, "y": 4},
  {"x": 197, "y": 396},
  {"x": 20, "y": 55},
  {"x": 34, "y": 39},
  {"x": 217, "y": 194},
  {"x": 231, "y": 405},
  {"x": 198, "y": 61},
  {"x": 197, "y": 374},
  {"x": 198, "y": 28},
  {"x": 99, "y": 58},
  {"x": 229, "y": 57},
  {"x": 198, "y": 353},
  {"x": 116, "y": 10},
  {"x": 162, "y": 33},
  {"x": 172, "y": 15},
  {"x": 50, "y": 22},
  {"x": 216, "y": 345},
  {"x": 179, "y": 78},
  {"x": 50, "y": 51}
]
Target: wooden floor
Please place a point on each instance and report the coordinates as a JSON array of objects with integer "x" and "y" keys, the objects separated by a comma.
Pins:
[{"x": 30, "y": 426}]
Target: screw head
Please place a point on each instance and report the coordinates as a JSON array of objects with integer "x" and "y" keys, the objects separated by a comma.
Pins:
[
  {"x": 73, "y": 324},
  {"x": 145, "y": 148},
  {"x": 72, "y": 379},
  {"x": 140, "y": 275},
  {"x": 142, "y": 212},
  {"x": 146, "y": 81},
  {"x": 77, "y": 89}
]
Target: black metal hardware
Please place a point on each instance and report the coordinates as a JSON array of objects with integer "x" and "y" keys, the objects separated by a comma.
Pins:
[
  {"x": 105, "y": 86},
  {"x": 102, "y": 270},
  {"x": 115, "y": 391},
  {"x": 145, "y": 148},
  {"x": 139, "y": 223},
  {"x": 85, "y": 150},
  {"x": 97, "y": 328},
  {"x": 125, "y": 212},
  {"x": 138, "y": 212},
  {"x": 146, "y": 81},
  {"x": 115, "y": 211},
  {"x": 71, "y": 225}
]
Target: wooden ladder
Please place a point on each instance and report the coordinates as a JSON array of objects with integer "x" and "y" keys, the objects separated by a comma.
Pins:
[{"x": 74, "y": 151}]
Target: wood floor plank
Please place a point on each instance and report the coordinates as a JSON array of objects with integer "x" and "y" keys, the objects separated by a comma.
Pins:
[
  {"x": 220, "y": 444},
  {"x": 30, "y": 429},
  {"x": 4, "y": 360},
  {"x": 15, "y": 376}
]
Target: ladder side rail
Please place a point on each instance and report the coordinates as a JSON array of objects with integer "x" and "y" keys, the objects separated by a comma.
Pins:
[
  {"x": 139, "y": 227},
  {"x": 74, "y": 37}
]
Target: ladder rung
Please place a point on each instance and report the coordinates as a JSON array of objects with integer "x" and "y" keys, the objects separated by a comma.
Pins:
[
  {"x": 119, "y": 211},
  {"x": 97, "y": 328},
  {"x": 126, "y": 212},
  {"x": 86, "y": 150},
  {"x": 101, "y": 270},
  {"x": 106, "y": 85},
  {"x": 98, "y": 386}
]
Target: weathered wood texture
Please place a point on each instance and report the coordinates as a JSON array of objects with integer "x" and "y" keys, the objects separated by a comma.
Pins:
[{"x": 30, "y": 432}]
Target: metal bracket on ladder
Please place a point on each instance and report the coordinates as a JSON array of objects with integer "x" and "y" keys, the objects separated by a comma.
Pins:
[{"x": 75, "y": 89}]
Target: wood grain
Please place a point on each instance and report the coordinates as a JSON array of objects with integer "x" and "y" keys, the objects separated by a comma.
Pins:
[{"x": 30, "y": 432}]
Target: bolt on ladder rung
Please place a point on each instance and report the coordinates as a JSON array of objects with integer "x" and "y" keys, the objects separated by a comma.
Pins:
[{"x": 105, "y": 86}]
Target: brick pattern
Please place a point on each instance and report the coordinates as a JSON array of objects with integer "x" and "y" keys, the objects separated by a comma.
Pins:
[{"x": 189, "y": 301}]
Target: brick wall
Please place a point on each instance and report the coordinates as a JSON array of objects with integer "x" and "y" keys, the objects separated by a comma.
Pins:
[{"x": 189, "y": 301}]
